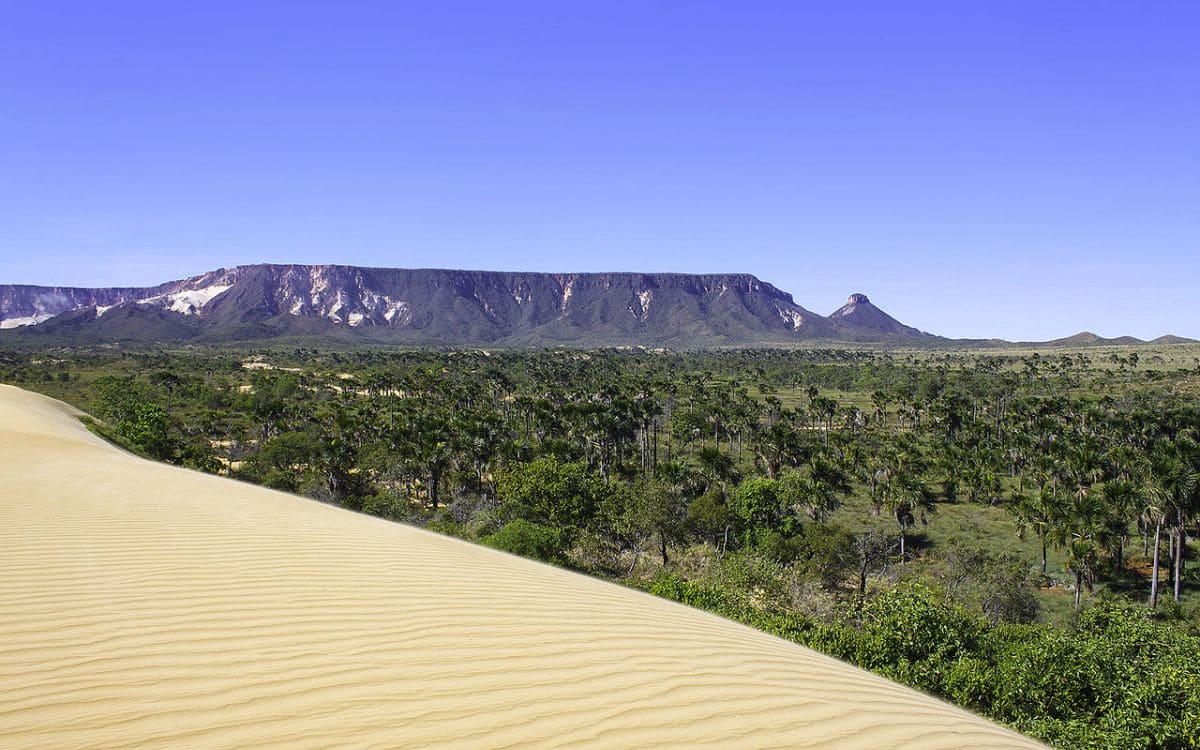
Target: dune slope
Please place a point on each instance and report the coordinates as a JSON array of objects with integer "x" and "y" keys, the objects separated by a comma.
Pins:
[{"x": 147, "y": 606}]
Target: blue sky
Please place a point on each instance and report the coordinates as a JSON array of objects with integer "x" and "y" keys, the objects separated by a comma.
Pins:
[{"x": 1015, "y": 169}]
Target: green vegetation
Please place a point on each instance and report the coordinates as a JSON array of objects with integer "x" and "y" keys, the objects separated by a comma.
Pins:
[
  {"x": 1011, "y": 531},
  {"x": 1116, "y": 678}
]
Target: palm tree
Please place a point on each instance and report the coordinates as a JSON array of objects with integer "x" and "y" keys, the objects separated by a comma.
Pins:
[
  {"x": 1176, "y": 485},
  {"x": 819, "y": 489},
  {"x": 169, "y": 382},
  {"x": 677, "y": 483},
  {"x": 880, "y": 400},
  {"x": 1082, "y": 560},
  {"x": 1039, "y": 512},
  {"x": 1153, "y": 513},
  {"x": 778, "y": 445},
  {"x": 1083, "y": 530},
  {"x": 1121, "y": 498},
  {"x": 432, "y": 447},
  {"x": 481, "y": 439},
  {"x": 1084, "y": 464},
  {"x": 717, "y": 466},
  {"x": 907, "y": 498},
  {"x": 901, "y": 487}
]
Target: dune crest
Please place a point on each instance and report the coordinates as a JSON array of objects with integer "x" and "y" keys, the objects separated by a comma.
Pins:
[{"x": 148, "y": 606}]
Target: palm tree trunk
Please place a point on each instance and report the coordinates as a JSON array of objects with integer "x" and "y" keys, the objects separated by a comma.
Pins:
[
  {"x": 637, "y": 553},
  {"x": 1154, "y": 566},
  {"x": 1171, "y": 557},
  {"x": 1183, "y": 542},
  {"x": 1179, "y": 542}
]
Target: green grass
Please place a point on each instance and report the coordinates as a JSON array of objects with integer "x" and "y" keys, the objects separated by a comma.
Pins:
[{"x": 994, "y": 530}]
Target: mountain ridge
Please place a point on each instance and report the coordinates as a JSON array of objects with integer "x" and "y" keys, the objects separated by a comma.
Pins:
[
  {"x": 421, "y": 306},
  {"x": 430, "y": 306}
]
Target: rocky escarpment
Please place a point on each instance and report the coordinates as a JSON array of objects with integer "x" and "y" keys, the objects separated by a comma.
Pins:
[{"x": 426, "y": 306}]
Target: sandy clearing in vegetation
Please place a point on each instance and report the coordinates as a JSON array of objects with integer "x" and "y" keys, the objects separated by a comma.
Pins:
[{"x": 147, "y": 606}]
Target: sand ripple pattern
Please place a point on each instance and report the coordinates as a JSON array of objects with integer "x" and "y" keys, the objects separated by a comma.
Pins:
[{"x": 147, "y": 606}]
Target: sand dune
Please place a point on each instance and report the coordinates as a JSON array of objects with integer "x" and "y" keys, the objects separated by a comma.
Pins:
[{"x": 145, "y": 606}]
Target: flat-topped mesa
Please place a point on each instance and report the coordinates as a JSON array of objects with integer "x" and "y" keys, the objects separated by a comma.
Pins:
[
  {"x": 423, "y": 306},
  {"x": 858, "y": 299}
]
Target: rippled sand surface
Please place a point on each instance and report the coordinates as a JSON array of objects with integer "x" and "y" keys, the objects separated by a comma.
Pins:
[{"x": 148, "y": 606}]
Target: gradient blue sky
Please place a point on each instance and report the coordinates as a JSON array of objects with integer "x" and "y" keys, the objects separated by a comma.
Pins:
[{"x": 1015, "y": 169}]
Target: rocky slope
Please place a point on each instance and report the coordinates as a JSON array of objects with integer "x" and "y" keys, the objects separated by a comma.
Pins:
[
  {"x": 860, "y": 314},
  {"x": 428, "y": 306}
]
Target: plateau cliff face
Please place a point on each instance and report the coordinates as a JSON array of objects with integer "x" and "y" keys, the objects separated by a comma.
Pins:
[
  {"x": 456, "y": 308},
  {"x": 22, "y": 305},
  {"x": 424, "y": 306}
]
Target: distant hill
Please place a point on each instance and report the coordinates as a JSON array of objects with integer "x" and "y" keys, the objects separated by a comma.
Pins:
[
  {"x": 1168, "y": 339},
  {"x": 1087, "y": 338},
  {"x": 859, "y": 314}
]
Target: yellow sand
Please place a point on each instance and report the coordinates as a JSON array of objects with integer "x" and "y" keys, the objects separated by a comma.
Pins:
[{"x": 146, "y": 606}]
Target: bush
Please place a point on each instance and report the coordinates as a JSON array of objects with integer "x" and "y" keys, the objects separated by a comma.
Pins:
[
  {"x": 528, "y": 539},
  {"x": 552, "y": 492},
  {"x": 128, "y": 408},
  {"x": 390, "y": 505},
  {"x": 774, "y": 546},
  {"x": 1001, "y": 586},
  {"x": 826, "y": 552},
  {"x": 708, "y": 516},
  {"x": 696, "y": 594},
  {"x": 912, "y": 634},
  {"x": 759, "y": 581}
]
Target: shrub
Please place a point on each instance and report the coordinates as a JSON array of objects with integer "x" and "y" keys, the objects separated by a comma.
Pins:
[
  {"x": 912, "y": 634},
  {"x": 528, "y": 539},
  {"x": 552, "y": 492}
]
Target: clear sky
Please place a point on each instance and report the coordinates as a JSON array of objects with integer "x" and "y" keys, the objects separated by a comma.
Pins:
[{"x": 1023, "y": 170}]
